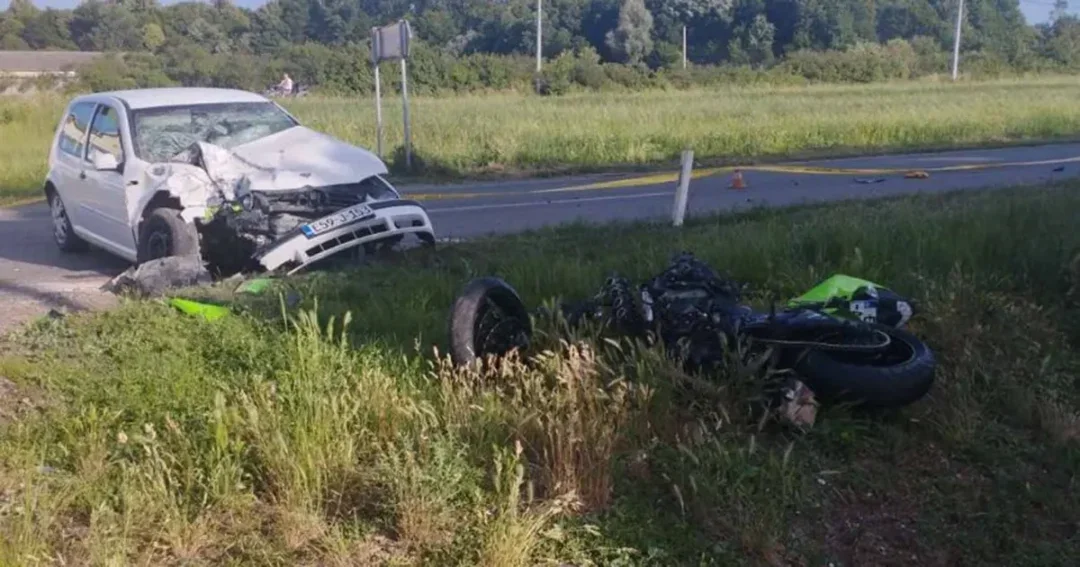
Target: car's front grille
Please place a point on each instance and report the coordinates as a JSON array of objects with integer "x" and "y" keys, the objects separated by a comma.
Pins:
[{"x": 348, "y": 237}]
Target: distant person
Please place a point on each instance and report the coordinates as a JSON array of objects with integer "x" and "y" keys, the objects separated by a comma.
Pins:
[{"x": 286, "y": 84}]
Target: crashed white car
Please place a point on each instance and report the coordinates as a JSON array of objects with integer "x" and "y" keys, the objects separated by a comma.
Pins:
[{"x": 222, "y": 173}]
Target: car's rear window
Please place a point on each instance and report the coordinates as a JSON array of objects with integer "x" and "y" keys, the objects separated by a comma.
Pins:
[{"x": 161, "y": 133}]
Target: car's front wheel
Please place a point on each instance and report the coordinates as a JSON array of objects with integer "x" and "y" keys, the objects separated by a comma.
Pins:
[
  {"x": 163, "y": 234},
  {"x": 63, "y": 232}
]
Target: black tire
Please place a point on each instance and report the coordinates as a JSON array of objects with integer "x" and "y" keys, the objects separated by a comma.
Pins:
[
  {"x": 481, "y": 300},
  {"x": 163, "y": 234},
  {"x": 899, "y": 378},
  {"x": 63, "y": 232}
]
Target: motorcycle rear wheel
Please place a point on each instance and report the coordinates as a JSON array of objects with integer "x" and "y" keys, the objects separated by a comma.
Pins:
[{"x": 899, "y": 376}]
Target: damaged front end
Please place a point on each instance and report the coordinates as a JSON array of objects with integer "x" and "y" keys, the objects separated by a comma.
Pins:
[
  {"x": 253, "y": 218},
  {"x": 271, "y": 230}
]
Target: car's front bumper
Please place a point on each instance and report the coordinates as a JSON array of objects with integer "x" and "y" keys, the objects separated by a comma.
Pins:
[{"x": 391, "y": 219}]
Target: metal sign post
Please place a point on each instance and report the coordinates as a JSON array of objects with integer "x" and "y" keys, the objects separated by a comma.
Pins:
[
  {"x": 390, "y": 43},
  {"x": 378, "y": 112},
  {"x": 405, "y": 114}
]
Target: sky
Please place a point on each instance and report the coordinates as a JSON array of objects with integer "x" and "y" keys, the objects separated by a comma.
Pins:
[{"x": 1036, "y": 11}]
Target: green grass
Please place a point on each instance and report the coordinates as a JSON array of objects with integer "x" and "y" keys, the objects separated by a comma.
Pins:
[
  {"x": 327, "y": 433},
  {"x": 520, "y": 134}
]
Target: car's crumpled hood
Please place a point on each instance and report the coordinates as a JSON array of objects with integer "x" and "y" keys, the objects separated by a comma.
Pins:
[
  {"x": 292, "y": 159},
  {"x": 321, "y": 159}
]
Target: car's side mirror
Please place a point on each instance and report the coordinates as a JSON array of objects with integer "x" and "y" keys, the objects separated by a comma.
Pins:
[{"x": 105, "y": 162}]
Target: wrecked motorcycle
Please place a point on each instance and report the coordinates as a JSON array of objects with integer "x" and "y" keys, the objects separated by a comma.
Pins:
[{"x": 843, "y": 338}]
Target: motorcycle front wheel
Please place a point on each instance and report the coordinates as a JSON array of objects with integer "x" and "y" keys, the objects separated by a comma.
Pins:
[
  {"x": 488, "y": 318},
  {"x": 897, "y": 376}
]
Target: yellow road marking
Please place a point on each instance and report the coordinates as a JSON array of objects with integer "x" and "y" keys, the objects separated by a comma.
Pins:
[
  {"x": 818, "y": 170},
  {"x": 653, "y": 179},
  {"x": 671, "y": 177}
]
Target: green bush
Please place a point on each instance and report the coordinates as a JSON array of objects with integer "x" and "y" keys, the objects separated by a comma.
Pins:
[
  {"x": 861, "y": 63},
  {"x": 347, "y": 70},
  {"x": 113, "y": 72}
]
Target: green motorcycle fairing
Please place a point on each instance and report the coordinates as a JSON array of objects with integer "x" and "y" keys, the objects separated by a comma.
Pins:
[
  {"x": 838, "y": 286},
  {"x": 856, "y": 298}
]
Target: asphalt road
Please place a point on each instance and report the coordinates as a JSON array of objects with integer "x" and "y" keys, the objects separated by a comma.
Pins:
[{"x": 33, "y": 270}]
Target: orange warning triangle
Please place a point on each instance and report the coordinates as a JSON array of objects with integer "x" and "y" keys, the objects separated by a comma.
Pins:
[{"x": 737, "y": 180}]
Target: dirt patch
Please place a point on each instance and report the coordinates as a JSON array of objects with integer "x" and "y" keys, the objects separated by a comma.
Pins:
[
  {"x": 16, "y": 401},
  {"x": 20, "y": 309},
  {"x": 860, "y": 525}
]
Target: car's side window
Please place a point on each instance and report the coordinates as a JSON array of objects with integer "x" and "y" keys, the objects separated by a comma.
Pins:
[
  {"x": 73, "y": 132},
  {"x": 105, "y": 134}
]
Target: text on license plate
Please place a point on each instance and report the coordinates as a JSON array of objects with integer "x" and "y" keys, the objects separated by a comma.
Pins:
[{"x": 338, "y": 219}]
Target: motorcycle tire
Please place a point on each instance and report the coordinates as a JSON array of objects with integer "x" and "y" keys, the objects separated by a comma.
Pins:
[
  {"x": 900, "y": 377},
  {"x": 472, "y": 308}
]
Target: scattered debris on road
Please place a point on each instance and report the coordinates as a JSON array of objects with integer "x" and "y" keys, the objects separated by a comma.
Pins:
[
  {"x": 219, "y": 308},
  {"x": 916, "y": 175}
]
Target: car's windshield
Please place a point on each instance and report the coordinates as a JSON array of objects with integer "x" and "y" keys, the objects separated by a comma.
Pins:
[{"x": 161, "y": 133}]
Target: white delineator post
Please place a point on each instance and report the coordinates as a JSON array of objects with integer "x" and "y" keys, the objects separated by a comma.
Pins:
[{"x": 682, "y": 191}]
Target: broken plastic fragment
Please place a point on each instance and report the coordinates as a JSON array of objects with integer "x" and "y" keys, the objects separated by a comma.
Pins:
[
  {"x": 208, "y": 311},
  {"x": 799, "y": 407}
]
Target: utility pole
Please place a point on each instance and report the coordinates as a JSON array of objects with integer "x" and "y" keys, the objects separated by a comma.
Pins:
[
  {"x": 684, "y": 47},
  {"x": 956, "y": 41}
]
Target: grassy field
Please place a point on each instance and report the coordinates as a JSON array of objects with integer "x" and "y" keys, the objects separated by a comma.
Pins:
[
  {"x": 515, "y": 134},
  {"x": 327, "y": 433}
]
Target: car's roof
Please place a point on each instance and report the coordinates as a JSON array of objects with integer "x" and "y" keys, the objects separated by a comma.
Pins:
[{"x": 159, "y": 97}]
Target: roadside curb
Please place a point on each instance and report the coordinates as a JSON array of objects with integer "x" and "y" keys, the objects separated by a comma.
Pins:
[{"x": 23, "y": 203}]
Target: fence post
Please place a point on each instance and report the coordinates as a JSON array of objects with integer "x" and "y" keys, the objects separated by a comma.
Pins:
[{"x": 682, "y": 191}]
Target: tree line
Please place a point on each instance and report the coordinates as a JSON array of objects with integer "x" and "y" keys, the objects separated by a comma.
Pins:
[{"x": 467, "y": 45}]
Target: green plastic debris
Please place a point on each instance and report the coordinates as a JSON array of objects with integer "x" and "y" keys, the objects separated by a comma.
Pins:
[
  {"x": 207, "y": 311},
  {"x": 255, "y": 287}
]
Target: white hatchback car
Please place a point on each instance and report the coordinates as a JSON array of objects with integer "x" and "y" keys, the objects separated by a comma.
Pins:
[{"x": 223, "y": 173}]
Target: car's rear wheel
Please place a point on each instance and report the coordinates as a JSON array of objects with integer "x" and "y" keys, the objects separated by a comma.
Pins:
[
  {"x": 164, "y": 234},
  {"x": 63, "y": 232}
]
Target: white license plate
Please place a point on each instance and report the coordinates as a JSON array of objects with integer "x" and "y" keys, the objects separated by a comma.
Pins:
[{"x": 337, "y": 220}]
